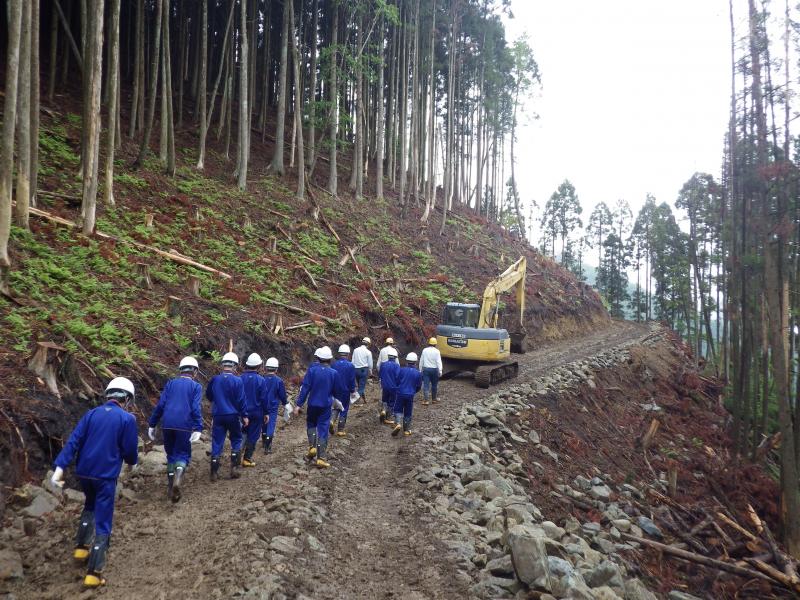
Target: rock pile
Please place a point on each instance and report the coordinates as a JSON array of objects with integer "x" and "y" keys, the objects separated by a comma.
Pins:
[{"x": 476, "y": 480}]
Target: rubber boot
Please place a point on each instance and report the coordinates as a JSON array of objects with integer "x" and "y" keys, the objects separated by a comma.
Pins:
[
  {"x": 248, "y": 461},
  {"x": 382, "y": 415},
  {"x": 97, "y": 560},
  {"x": 311, "y": 432},
  {"x": 214, "y": 468},
  {"x": 83, "y": 538},
  {"x": 267, "y": 440},
  {"x": 235, "y": 461},
  {"x": 176, "y": 491},
  {"x": 406, "y": 426},
  {"x": 170, "y": 483},
  {"x": 340, "y": 425},
  {"x": 332, "y": 424},
  {"x": 322, "y": 448}
]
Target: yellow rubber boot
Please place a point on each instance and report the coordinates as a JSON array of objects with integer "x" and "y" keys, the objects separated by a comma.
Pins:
[
  {"x": 80, "y": 553},
  {"x": 93, "y": 580},
  {"x": 322, "y": 464}
]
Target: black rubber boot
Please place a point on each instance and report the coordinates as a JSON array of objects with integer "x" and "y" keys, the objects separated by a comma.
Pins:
[
  {"x": 235, "y": 461},
  {"x": 175, "y": 492},
  {"x": 214, "y": 468},
  {"x": 97, "y": 560},
  {"x": 170, "y": 483},
  {"x": 247, "y": 461},
  {"x": 267, "y": 439},
  {"x": 83, "y": 538}
]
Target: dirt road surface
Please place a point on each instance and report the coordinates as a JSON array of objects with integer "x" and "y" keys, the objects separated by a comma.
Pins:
[{"x": 288, "y": 530}]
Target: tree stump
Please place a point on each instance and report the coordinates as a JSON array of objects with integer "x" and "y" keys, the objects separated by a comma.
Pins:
[
  {"x": 143, "y": 274},
  {"x": 672, "y": 478},
  {"x": 148, "y": 220},
  {"x": 196, "y": 213},
  {"x": 193, "y": 284},
  {"x": 273, "y": 244},
  {"x": 45, "y": 363},
  {"x": 247, "y": 222},
  {"x": 173, "y": 308}
]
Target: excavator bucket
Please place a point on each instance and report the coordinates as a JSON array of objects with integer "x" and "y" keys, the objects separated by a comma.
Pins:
[{"x": 519, "y": 342}]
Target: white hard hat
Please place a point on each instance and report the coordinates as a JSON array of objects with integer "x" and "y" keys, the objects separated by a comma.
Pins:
[
  {"x": 366, "y": 340},
  {"x": 411, "y": 357},
  {"x": 254, "y": 360},
  {"x": 272, "y": 363},
  {"x": 344, "y": 349},
  {"x": 230, "y": 357},
  {"x": 120, "y": 384},
  {"x": 188, "y": 362},
  {"x": 325, "y": 353},
  {"x": 391, "y": 353},
  {"x": 390, "y": 341}
]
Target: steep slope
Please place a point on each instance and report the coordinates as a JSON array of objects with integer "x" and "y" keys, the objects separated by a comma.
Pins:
[{"x": 285, "y": 263}]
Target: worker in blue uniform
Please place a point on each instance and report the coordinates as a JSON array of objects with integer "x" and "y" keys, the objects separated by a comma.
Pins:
[
  {"x": 179, "y": 412},
  {"x": 256, "y": 405},
  {"x": 321, "y": 385},
  {"x": 276, "y": 398},
  {"x": 103, "y": 438},
  {"x": 226, "y": 394},
  {"x": 409, "y": 382},
  {"x": 347, "y": 375},
  {"x": 388, "y": 374}
]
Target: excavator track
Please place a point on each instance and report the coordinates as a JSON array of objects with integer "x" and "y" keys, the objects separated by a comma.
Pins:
[{"x": 488, "y": 375}]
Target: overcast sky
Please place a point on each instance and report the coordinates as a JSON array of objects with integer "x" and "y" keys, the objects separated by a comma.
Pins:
[{"x": 634, "y": 96}]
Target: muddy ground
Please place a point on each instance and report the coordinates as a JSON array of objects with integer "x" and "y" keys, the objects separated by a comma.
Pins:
[{"x": 352, "y": 531}]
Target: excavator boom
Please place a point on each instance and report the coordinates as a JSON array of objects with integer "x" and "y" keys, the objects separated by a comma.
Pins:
[{"x": 513, "y": 276}]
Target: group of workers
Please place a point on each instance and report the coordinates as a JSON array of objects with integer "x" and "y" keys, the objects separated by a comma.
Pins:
[{"x": 244, "y": 407}]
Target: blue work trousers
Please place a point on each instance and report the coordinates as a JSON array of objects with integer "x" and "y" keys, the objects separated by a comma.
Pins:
[
  {"x": 361, "y": 380},
  {"x": 100, "y": 495},
  {"x": 430, "y": 382},
  {"x": 319, "y": 418},
  {"x": 177, "y": 446},
  {"x": 388, "y": 400},
  {"x": 269, "y": 428},
  {"x": 403, "y": 407},
  {"x": 253, "y": 430},
  {"x": 223, "y": 425}
]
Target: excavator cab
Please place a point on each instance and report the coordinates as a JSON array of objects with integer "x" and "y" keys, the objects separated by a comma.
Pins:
[{"x": 461, "y": 315}]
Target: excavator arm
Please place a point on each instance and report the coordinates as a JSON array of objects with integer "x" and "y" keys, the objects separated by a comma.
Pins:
[{"x": 513, "y": 276}]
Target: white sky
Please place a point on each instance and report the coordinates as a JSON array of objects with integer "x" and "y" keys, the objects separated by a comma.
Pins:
[{"x": 634, "y": 97}]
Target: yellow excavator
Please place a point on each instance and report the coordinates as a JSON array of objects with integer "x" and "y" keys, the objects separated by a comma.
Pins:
[{"x": 469, "y": 338}]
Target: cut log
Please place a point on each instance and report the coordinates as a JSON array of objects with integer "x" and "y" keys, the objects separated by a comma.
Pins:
[
  {"x": 45, "y": 362},
  {"x": 296, "y": 245},
  {"x": 730, "y": 522},
  {"x": 698, "y": 558},
  {"x": 303, "y": 311},
  {"x": 791, "y": 583},
  {"x": 193, "y": 285},
  {"x": 173, "y": 307},
  {"x": 300, "y": 325},
  {"x": 143, "y": 275},
  {"x": 278, "y": 328}
]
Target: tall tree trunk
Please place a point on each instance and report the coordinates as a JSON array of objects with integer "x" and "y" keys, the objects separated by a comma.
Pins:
[
  {"x": 94, "y": 73},
  {"x": 333, "y": 94},
  {"x": 113, "y": 102},
  {"x": 35, "y": 101},
  {"x": 202, "y": 86},
  {"x": 168, "y": 93},
  {"x": 51, "y": 78},
  {"x": 312, "y": 94},
  {"x": 9, "y": 125},
  {"x": 154, "y": 72},
  {"x": 138, "y": 70},
  {"x": 298, "y": 110},
  {"x": 380, "y": 116},
  {"x": 277, "y": 164},
  {"x": 244, "y": 105},
  {"x": 23, "y": 194}
]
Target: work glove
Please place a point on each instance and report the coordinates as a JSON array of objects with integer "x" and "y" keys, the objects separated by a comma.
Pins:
[
  {"x": 354, "y": 397},
  {"x": 133, "y": 468},
  {"x": 58, "y": 477},
  {"x": 195, "y": 437},
  {"x": 245, "y": 421},
  {"x": 337, "y": 405},
  {"x": 151, "y": 433},
  {"x": 287, "y": 412}
]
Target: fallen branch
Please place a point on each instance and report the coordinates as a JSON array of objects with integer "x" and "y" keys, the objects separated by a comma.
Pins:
[
  {"x": 299, "y": 325},
  {"x": 699, "y": 559},
  {"x": 303, "y": 311},
  {"x": 791, "y": 583},
  {"x": 728, "y": 521},
  {"x": 178, "y": 258},
  {"x": 302, "y": 250}
]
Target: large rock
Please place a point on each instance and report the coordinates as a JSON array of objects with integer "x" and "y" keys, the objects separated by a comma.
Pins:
[
  {"x": 605, "y": 593},
  {"x": 284, "y": 545},
  {"x": 529, "y": 556},
  {"x": 485, "y": 489},
  {"x": 606, "y": 574},
  {"x": 635, "y": 590},
  {"x": 10, "y": 565},
  {"x": 649, "y": 527},
  {"x": 501, "y": 566},
  {"x": 43, "y": 504},
  {"x": 600, "y": 492}
]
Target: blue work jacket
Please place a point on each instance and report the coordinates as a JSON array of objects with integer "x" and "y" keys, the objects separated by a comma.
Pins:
[
  {"x": 409, "y": 381},
  {"x": 255, "y": 393},
  {"x": 276, "y": 392},
  {"x": 347, "y": 375},
  {"x": 390, "y": 370},
  {"x": 226, "y": 394},
  {"x": 179, "y": 406},
  {"x": 321, "y": 385}
]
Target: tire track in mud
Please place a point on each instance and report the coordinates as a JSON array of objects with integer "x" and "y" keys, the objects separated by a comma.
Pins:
[{"x": 286, "y": 530}]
